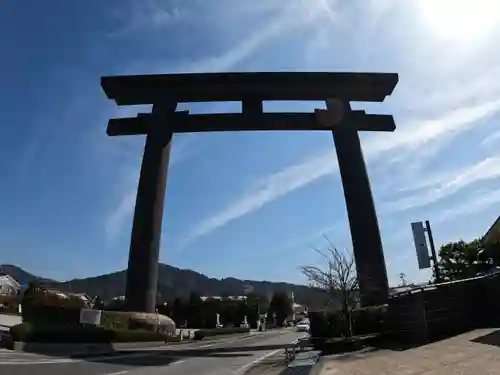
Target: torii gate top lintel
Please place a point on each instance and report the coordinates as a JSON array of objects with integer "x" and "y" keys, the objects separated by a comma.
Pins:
[
  {"x": 209, "y": 87},
  {"x": 251, "y": 89}
]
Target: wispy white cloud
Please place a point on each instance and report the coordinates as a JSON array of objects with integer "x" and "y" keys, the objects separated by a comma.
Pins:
[
  {"x": 479, "y": 201},
  {"x": 418, "y": 132},
  {"x": 296, "y": 176},
  {"x": 434, "y": 119},
  {"x": 267, "y": 190},
  {"x": 145, "y": 15},
  {"x": 296, "y": 15},
  {"x": 492, "y": 140},
  {"x": 448, "y": 184}
]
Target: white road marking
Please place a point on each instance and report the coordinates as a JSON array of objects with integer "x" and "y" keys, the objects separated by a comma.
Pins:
[
  {"x": 177, "y": 362},
  {"x": 44, "y": 362},
  {"x": 118, "y": 373},
  {"x": 72, "y": 360},
  {"x": 257, "y": 360}
]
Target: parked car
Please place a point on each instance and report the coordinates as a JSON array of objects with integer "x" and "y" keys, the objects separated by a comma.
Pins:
[{"x": 303, "y": 326}]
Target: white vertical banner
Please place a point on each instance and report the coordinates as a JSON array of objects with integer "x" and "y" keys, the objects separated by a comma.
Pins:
[
  {"x": 420, "y": 241},
  {"x": 90, "y": 316}
]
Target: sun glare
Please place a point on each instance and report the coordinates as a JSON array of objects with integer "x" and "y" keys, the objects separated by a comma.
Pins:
[{"x": 460, "y": 20}]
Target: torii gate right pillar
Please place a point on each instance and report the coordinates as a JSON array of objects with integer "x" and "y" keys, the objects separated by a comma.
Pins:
[{"x": 365, "y": 233}]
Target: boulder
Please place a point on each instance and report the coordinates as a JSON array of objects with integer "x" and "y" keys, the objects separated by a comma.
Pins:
[{"x": 152, "y": 321}]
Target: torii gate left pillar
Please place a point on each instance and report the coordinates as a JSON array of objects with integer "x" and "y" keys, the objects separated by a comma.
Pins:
[{"x": 142, "y": 273}]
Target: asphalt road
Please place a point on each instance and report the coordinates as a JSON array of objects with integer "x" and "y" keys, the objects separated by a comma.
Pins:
[{"x": 228, "y": 357}]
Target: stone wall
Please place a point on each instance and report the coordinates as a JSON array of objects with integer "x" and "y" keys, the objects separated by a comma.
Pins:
[{"x": 438, "y": 311}]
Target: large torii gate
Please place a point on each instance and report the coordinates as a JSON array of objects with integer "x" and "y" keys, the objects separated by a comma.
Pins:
[{"x": 164, "y": 92}]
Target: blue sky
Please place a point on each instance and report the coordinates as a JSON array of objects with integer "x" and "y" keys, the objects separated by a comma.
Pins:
[{"x": 247, "y": 205}]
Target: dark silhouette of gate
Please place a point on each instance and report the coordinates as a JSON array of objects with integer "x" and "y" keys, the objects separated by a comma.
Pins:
[{"x": 164, "y": 92}]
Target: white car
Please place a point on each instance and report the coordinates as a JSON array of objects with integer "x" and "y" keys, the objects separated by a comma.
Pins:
[{"x": 302, "y": 326}]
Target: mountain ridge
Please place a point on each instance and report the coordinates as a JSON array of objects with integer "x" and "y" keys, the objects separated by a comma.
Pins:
[{"x": 174, "y": 282}]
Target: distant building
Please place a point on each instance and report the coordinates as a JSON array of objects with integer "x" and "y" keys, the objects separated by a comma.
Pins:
[
  {"x": 87, "y": 301},
  {"x": 299, "y": 312},
  {"x": 220, "y": 298},
  {"x": 9, "y": 286},
  {"x": 492, "y": 236}
]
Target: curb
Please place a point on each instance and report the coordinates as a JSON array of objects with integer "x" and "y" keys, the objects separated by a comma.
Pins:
[
  {"x": 219, "y": 338},
  {"x": 68, "y": 349},
  {"x": 318, "y": 366},
  {"x": 80, "y": 349}
]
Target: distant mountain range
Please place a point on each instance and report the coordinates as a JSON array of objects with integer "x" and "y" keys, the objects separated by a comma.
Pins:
[{"x": 174, "y": 282}]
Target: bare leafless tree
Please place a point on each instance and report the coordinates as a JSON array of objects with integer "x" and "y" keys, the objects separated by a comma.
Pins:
[{"x": 338, "y": 278}]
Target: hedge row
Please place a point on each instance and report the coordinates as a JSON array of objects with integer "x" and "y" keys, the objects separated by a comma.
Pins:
[
  {"x": 68, "y": 316},
  {"x": 364, "y": 321},
  {"x": 202, "y": 333},
  {"x": 37, "y": 314},
  {"x": 26, "y": 332},
  {"x": 9, "y": 311}
]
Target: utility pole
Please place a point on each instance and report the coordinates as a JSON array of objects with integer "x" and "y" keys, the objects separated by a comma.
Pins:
[{"x": 433, "y": 251}]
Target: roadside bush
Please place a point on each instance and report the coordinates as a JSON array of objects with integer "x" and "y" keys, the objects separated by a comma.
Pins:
[
  {"x": 114, "y": 319},
  {"x": 50, "y": 315},
  {"x": 318, "y": 324},
  {"x": 337, "y": 325},
  {"x": 9, "y": 311},
  {"x": 369, "y": 319},
  {"x": 364, "y": 321},
  {"x": 202, "y": 333},
  {"x": 81, "y": 334},
  {"x": 9, "y": 304}
]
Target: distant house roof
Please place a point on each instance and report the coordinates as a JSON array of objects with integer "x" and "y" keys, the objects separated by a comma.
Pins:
[
  {"x": 82, "y": 296},
  {"x": 493, "y": 234},
  {"x": 4, "y": 278},
  {"x": 220, "y": 298}
]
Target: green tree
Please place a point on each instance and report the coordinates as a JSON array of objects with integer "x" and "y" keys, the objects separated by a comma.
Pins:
[
  {"x": 260, "y": 303},
  {"x": 281, "y": 305},
  {"x": 492, "y": 253},
  {"x": 97, "y": 303},
  {"x": 461, "y": 260}
]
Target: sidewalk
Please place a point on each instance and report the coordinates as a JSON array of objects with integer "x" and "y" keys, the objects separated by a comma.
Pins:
[{"x": 472, "y": 353}]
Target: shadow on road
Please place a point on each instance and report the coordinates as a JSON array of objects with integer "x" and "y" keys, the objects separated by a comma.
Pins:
[
  {"x": 492, "y": 338},
  {"x": 164, "y": 355},
  {"x": 297, "y": 370}
]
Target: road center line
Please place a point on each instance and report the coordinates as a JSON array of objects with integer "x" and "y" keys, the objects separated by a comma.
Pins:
[
  {"x": 177, "y": 362},
  {"x": 205, "y": 346},
  {"x": 257, "y": 360},
  {"x": 86, "y": 359}
]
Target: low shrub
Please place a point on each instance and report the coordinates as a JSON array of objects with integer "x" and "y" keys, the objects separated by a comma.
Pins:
[
  {"x": 114, "y": 319},
  {"x": 202, "y": 333},
  {"x": 9, "y": 310},
  {"x": 364, "y": 321},
  {"x": 26, "y": 332},
  {"x": 369, "y": 319},
  {"x": 51, "y": 315},
  {"x": 319, "y": 326},
  {"x": 9, "y": 304}
]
